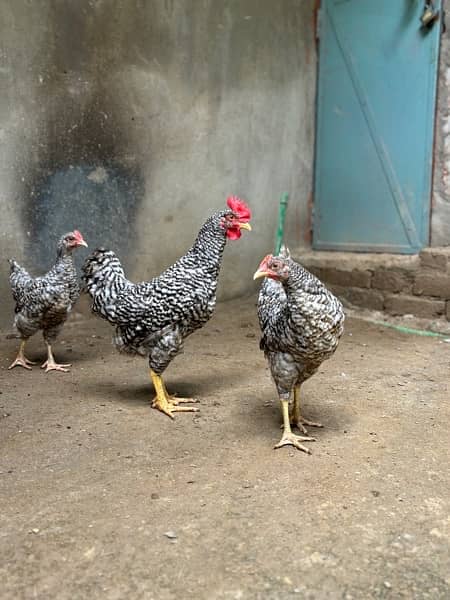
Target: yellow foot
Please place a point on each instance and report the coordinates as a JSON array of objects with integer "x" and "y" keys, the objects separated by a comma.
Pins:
[
  {"x": 53, "y": 366},
  {"x": 22, "y": 361},
  {"x": 301, "y": 422},
  {"x": 175, "y": 400},
  {"x": 289, "y": 439},
  {"x": 169, "y": 405}
]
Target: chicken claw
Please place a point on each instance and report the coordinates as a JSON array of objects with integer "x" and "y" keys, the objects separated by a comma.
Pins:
[
  {"x": 289, "y": 439},
  {"x": 166, "y": 403},
  {"x": 301, "y": 422},
  {"x": 53, "y": 366},
  {"x": 168, "y": 406},
  {"x": 176, "y": 400},
  {"x": 21, "y": 360},
  {"x": 295, "y": 416}
]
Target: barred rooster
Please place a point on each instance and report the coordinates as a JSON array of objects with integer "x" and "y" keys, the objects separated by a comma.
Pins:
[
  {"x": 301, "y": 323},
  {"x": 45, "y": 302},
  {"x": 153, "y": 318}
]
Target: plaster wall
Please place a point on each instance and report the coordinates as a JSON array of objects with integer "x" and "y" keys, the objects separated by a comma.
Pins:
[{"x": 132, "y": 120}]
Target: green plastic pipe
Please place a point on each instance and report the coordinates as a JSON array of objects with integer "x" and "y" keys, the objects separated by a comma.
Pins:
[
  {"x": 281, "y": 219},
  {"x": 409, "y": 330}
]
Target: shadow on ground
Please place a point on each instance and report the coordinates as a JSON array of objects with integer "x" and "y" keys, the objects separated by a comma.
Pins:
[{"x": 103, "y": 497}]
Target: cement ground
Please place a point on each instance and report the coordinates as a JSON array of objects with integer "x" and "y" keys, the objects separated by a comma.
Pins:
[{"x": 103, "y": 497}]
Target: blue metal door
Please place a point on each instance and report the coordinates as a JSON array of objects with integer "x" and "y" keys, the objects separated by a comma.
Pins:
[{"x": 375, "y": 119}]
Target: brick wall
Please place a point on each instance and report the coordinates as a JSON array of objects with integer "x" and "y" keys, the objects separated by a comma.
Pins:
[{"x": 398, "y": 285}]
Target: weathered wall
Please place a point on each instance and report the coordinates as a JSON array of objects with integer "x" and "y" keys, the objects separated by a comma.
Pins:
[
  {"x": 440, "y": 215},
  {"x": 134, "y": 119}
]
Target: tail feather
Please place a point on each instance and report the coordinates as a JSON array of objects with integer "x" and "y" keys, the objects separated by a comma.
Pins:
[
  {"x": 18, "y": 277},
  {"x": 14, "y": 266},
  {"x": 104, "y": 279}
]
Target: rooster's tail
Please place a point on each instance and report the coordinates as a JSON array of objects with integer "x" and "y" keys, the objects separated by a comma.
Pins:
[
  {"x": 13, "y": 265},
  {"x": 104, "y": 279},
  {"x": 18, "y": 276}
]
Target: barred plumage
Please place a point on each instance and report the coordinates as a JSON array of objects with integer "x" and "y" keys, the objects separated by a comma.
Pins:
[
  {"x": 301, "y": 323},
  {"x": 43, "y": 303},
  {"x": 153, "y": 318}
]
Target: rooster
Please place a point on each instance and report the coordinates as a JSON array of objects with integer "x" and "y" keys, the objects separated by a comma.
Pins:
[
  {"x": 45, "y": 302},
  {"x": 153, "y": 318},
  {"x": 301, "y": 323}
]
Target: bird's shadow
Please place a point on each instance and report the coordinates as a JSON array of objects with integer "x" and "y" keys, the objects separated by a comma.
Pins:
[
  {"x": 266, "y": 414},
  {"x": 197, "y": 386}
]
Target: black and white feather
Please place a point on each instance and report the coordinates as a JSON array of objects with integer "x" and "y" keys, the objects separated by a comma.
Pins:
[
  {"x": 44, "y": 303},
  {"x": 153, "y": 318},
  {"x": 301, "y": 323}
]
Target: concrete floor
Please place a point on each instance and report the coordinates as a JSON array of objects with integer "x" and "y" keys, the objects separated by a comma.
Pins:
[{"x": 103, "y": 497}]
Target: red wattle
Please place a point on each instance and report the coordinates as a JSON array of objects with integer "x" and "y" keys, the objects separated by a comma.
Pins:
[{"x": 234, "y": 233}]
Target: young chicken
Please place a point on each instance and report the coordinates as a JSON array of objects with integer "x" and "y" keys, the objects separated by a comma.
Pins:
[
  {"x": 153, "y": 318},
  {"x": 45, "y": 302},
  {"x": 301, "y": 323}
]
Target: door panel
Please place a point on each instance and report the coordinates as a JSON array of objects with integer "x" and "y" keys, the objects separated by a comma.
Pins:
[{"x": 376, "y": 98}]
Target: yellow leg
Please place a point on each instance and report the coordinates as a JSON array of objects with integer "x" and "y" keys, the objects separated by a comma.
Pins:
[
  {"x": 21, "y": 360},
  {"x": 166, "y": 403},
  {"x": 296, "y": 417},
  {"x": 51, "y": 365},
  {"x": 288, "y": 438}
]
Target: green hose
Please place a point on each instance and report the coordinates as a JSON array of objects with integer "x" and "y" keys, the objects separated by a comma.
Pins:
[
  {"x": 410, "y": 330},
  {"x": 281, "y": 218}
]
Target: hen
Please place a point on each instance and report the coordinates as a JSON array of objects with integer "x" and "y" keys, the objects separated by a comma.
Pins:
[
  {"x": 45, "y": 302},
  {"x": 153, "y": 318},
  {"x": 301, "y": 323}
]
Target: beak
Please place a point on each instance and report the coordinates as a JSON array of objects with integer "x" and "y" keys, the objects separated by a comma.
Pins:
[
  {"x": 245, "y": 226},
  {"x": 82, "y": 243},
  {"x": 260, "y": 274}
]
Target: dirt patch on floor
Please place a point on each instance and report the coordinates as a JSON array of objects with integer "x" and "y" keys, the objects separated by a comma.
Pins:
[{"x": 103, "y": 497}]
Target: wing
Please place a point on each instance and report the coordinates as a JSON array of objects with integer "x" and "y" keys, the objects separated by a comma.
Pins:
[
  {"x": 158, "y": 303},
  {"x": 36, "y": 296}
]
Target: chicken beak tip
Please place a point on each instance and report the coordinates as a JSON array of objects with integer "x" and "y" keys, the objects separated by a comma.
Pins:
[
  {"x": 259, "y": 274},
  {"x": 246, "y": 226}
]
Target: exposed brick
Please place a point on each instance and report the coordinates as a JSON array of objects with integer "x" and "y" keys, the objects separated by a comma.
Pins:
[
  {"x": 392, "y": 281},
  {"x": 353, "y": 278},
  {"x": 401, "y": 304},
  {"x": 435, "y": 258},
  {"x": 363, "y": 297},
  {"x": 347, "y": 261},
  {"x": 432, "y": 283}
]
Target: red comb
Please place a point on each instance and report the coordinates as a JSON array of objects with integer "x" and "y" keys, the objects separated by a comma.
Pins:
[
  {"x": 265, "y": 260},
  {"x": 239, "y": 207}
]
